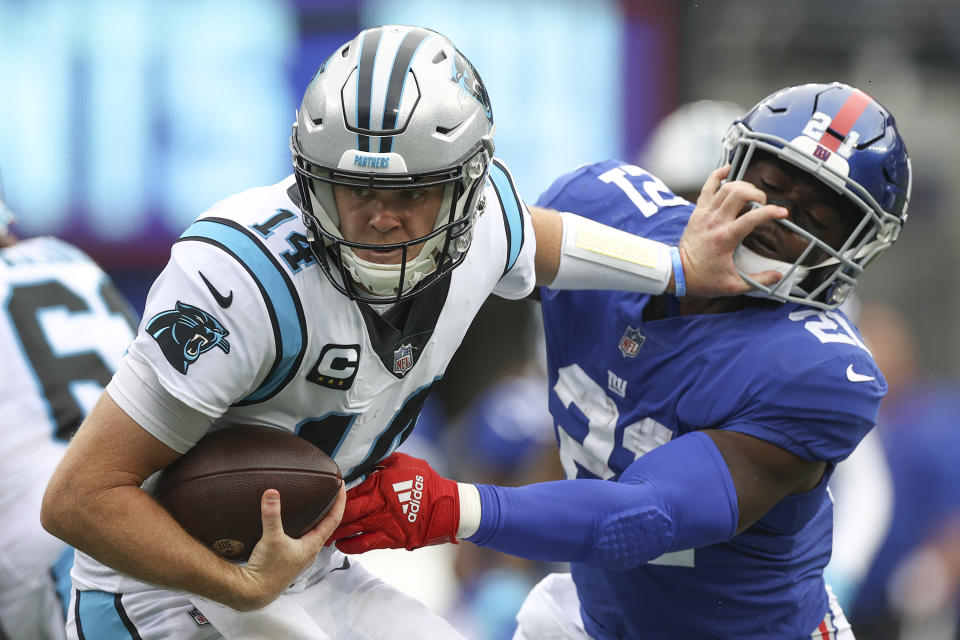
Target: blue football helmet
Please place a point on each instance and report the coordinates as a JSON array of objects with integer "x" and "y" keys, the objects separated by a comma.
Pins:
[{"x": 848, "y": 141}]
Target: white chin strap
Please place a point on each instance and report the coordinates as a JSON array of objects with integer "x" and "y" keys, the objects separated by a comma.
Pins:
[
  {"x": 748, "y": 261},
  {"x": 382, "y": 279}
]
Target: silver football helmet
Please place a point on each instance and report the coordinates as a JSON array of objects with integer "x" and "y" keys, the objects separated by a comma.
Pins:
[{"x": 396, "y": 107}]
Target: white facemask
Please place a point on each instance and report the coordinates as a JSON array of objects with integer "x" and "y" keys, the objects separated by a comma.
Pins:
[
  {"x": 383, "y": 279},
  {"x": 748, "y": 261}
]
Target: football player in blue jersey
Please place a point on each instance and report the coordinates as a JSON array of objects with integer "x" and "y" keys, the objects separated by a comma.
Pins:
[
  {"x": 329, "y": 305},
  {"x": 63, "y": 328},
  {"x": 697, "y": 435}
]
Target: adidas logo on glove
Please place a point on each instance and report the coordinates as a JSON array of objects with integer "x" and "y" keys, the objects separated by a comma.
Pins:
[
  {"x": 403, "y": 505},
  {"x": 410, "y": 493}
]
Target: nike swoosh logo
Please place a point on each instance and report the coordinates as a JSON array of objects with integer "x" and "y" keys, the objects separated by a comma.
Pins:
[
  {"x": 222, "y": 300},
  {"x": 344, "y": 566},
  {"x": 853, "y": 376}
]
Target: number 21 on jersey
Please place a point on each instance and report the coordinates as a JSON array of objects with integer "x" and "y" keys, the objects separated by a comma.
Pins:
[
  {"x": 575, "y": 387},
  {"x": 656, "y": 195}
]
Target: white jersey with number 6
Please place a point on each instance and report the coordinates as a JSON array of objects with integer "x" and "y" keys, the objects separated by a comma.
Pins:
[{"x": 63, "y": 330}]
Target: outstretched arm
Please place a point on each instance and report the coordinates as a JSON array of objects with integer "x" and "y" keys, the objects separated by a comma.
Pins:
[
  {"x": 576, "y": 253},
  {"x": 699, "y": 489}
]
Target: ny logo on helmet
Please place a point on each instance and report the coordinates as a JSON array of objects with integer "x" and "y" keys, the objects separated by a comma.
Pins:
[{"x": 819, "y": 126}]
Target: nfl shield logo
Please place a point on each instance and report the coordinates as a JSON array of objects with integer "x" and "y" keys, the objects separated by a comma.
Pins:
[
  {"x": 198, "y": 617},
  {"x": 631, "y": 342},
  {"x": 402, "y": 359}
]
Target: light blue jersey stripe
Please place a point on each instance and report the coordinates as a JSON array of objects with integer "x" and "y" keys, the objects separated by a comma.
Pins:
[
  {"x": 98, "y": 618},
  {"x": 61, "y": 577},
  {"x": 512, "y": 212},
  {"x": 278, "y": 296}
]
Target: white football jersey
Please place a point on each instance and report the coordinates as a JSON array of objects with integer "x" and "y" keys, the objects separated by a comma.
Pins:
[
  {"x": 244, "y": 326},
  {"x": 63, "y": 329}
]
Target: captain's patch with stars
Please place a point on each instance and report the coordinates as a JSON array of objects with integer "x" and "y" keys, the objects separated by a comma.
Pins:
[{"x": 336, "y": 367}]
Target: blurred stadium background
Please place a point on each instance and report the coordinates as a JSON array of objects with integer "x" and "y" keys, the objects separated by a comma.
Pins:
[{"x": 122, "y": 120}]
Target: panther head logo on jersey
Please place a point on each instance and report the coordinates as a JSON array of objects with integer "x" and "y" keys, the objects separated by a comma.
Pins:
[{"x": 185, "y": 333}]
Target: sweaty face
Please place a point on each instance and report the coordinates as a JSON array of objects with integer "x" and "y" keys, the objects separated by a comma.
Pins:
[
  {"x": 390, "y": 216},
  {"x": 813, "y": 206}
]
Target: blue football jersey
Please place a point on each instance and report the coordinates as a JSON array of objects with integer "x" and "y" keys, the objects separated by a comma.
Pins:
[{"x": 794, "y": 376}]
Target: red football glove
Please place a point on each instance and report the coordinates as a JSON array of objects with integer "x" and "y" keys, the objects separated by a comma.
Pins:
[{"x": 404, "y": 504}]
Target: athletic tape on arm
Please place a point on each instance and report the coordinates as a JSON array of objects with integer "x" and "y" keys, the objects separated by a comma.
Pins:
[{"x": 596, "y": 256}]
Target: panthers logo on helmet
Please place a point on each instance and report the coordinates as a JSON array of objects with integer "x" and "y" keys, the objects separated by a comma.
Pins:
[
  {"x": 466, "y": 77},
  {"x": 185, "y": 333}
]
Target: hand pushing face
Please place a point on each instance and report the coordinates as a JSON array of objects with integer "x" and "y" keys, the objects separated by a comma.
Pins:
[{"x": 813, "y": 206}]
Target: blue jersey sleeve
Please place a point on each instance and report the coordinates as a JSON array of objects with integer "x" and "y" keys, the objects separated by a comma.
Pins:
[
  {"x": 820, "y": 413},
  {"x": 806, "y": 384},
  {"x": 621, "y": 195}
]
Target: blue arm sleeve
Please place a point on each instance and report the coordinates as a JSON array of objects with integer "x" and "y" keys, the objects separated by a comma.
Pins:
[{"x": 678, "y": 496}]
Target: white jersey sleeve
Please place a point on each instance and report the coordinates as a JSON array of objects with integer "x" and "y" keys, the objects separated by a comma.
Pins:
[
  {"x": 206, "y": 334},
  {"x": 136, "y": 389},
  {"x": 520, "y": 246}
]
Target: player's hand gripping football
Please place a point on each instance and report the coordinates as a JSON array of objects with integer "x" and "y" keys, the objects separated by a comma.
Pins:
[
  {"x": 715, "y": 229},
  {"x": 278, "y": 559},
  {"x": 404, "y": 504}
]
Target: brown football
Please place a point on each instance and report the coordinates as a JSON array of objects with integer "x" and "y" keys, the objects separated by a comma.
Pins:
[{"x": 214, "y": 490}]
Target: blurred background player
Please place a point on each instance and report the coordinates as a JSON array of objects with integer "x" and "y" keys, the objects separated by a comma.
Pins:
[
  {"x": 506, "y": 437},
  {"x": 701, "y": 434},
  {"x": 63, "y": 329},
  {"x": 912, "y": 588},
  {"x": 682, "y": 149}
]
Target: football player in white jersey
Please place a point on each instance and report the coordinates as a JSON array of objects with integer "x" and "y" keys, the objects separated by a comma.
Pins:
[
  {"x": 63, "y": 329},
  {"x": 328, "y": 305}
]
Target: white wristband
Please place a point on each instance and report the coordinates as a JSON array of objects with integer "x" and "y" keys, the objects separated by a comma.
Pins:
[
  {"x": 596, "y": 256},
  {"x": 469, "y": 510}
]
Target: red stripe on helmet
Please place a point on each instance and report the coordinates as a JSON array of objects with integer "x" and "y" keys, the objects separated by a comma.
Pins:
[
  {"x": 825, "y": 631},
  {"x": 844, "y": 120}
]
